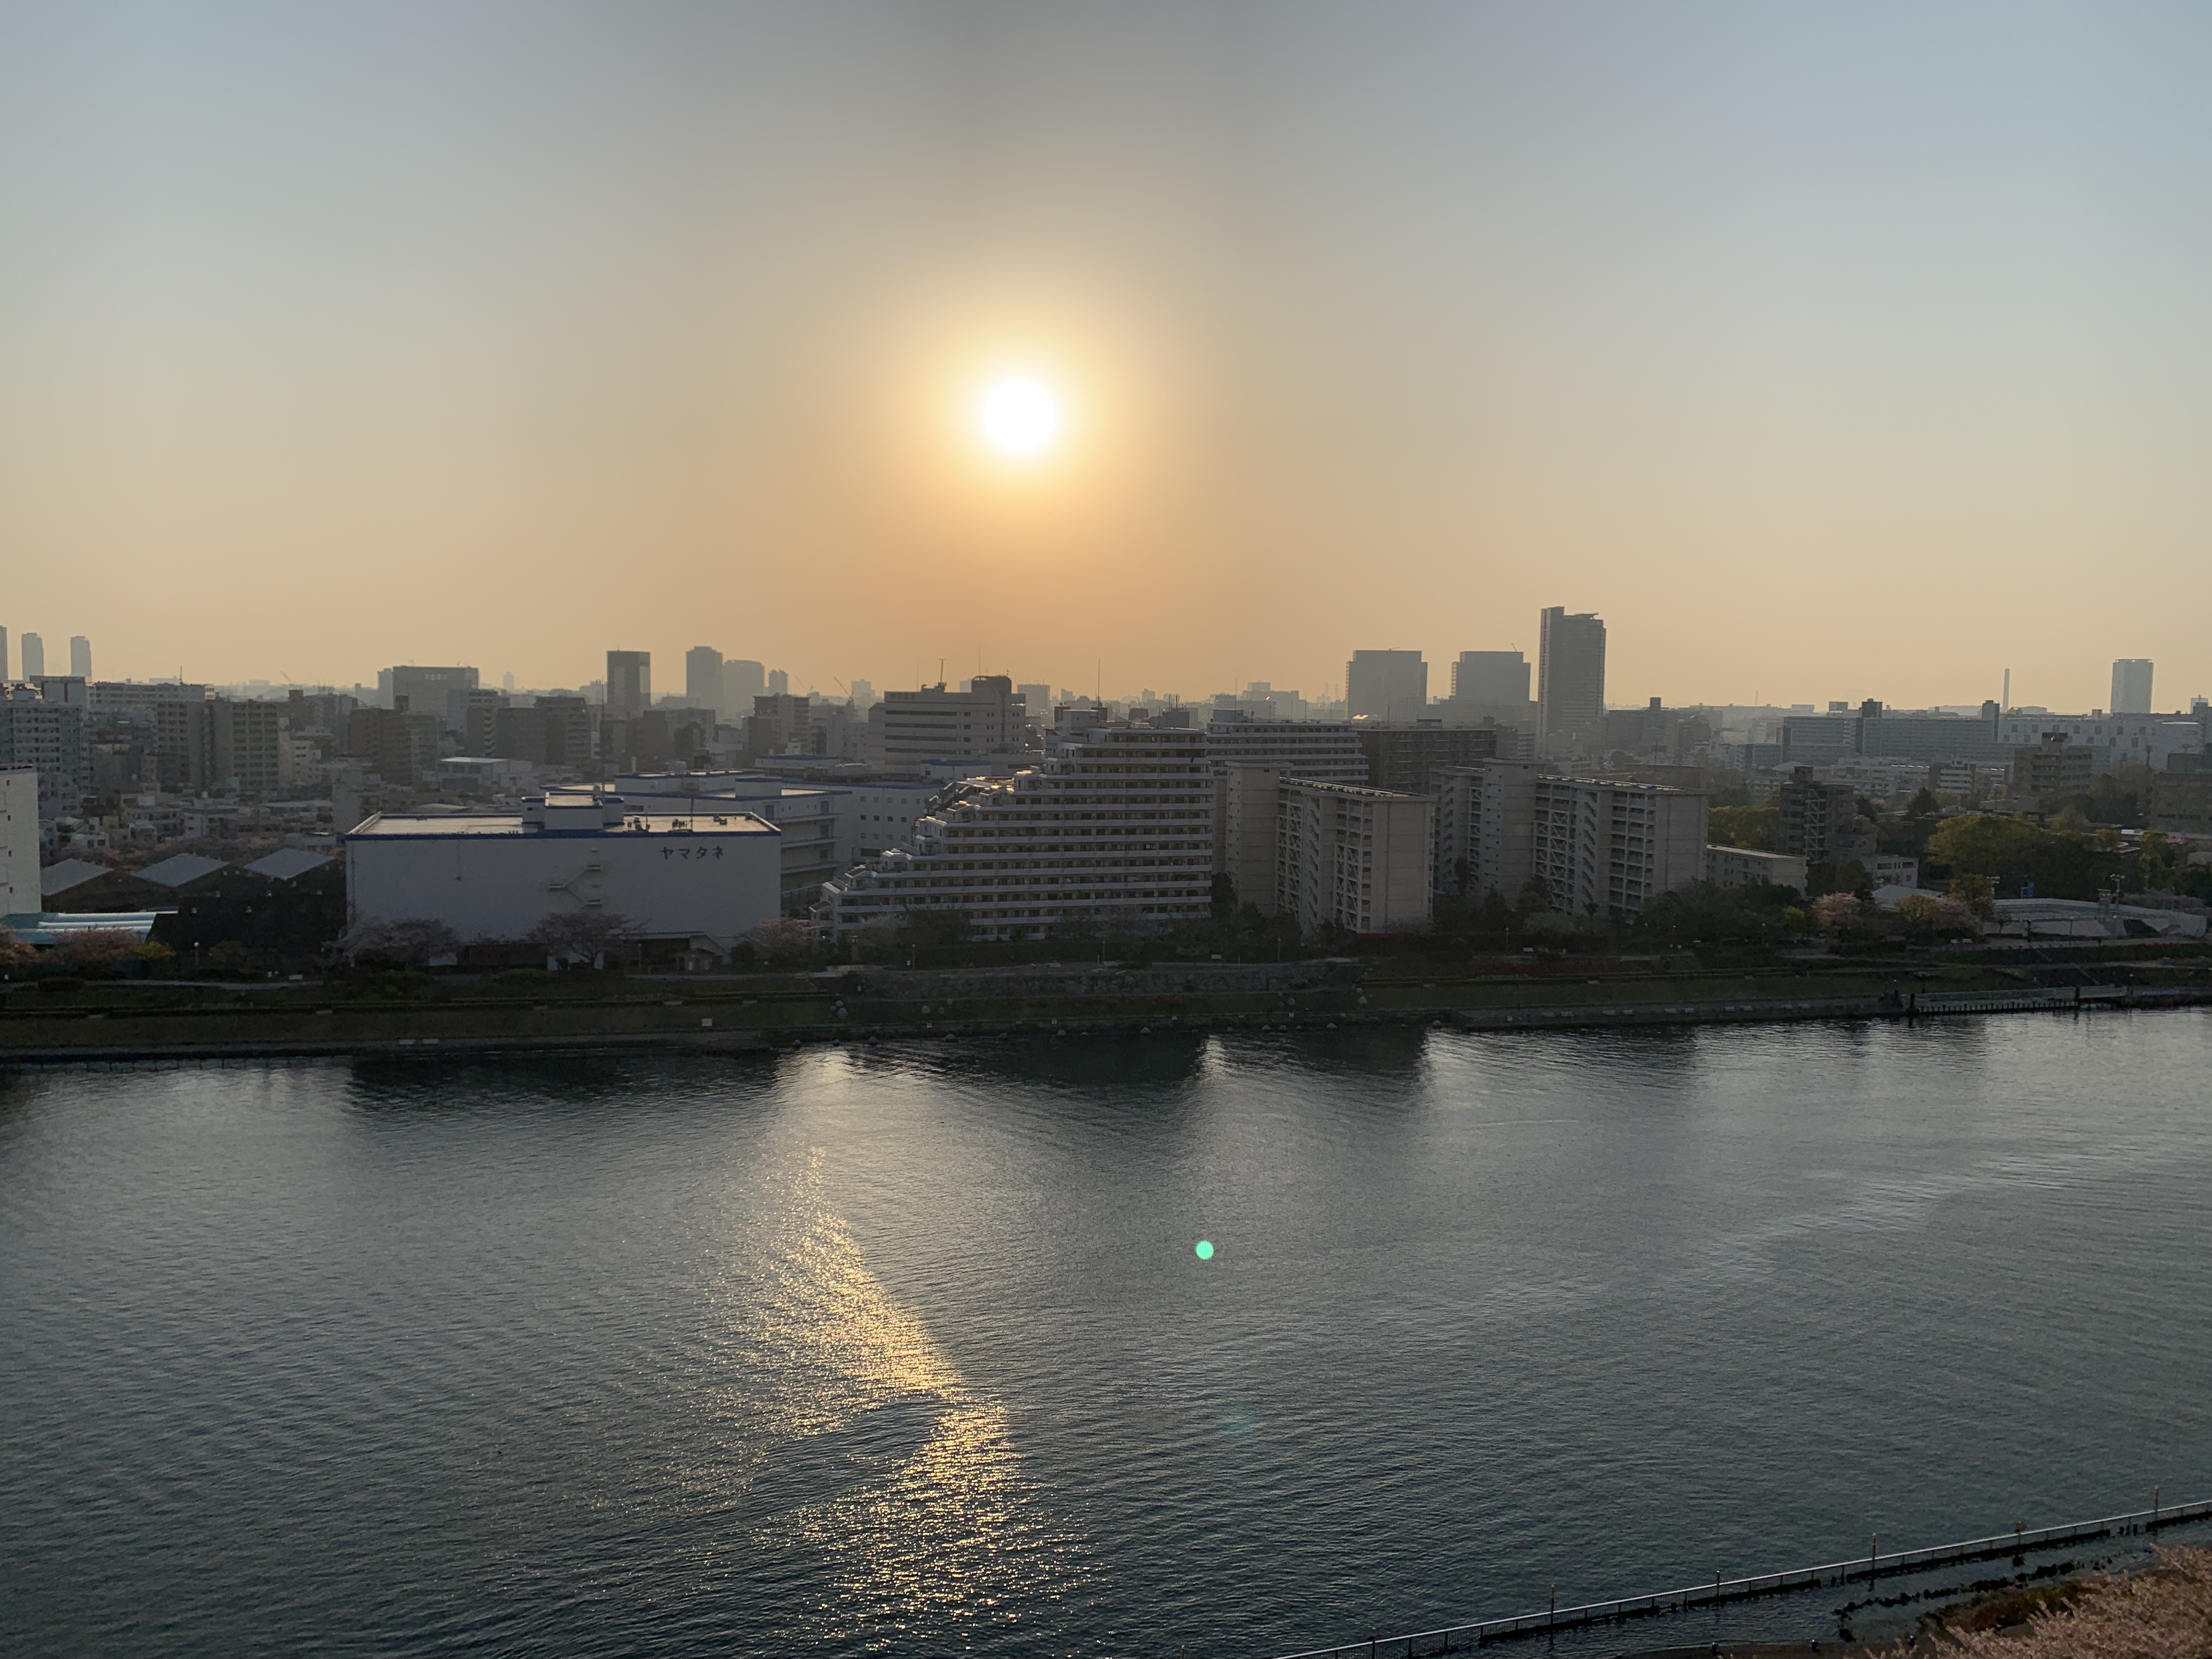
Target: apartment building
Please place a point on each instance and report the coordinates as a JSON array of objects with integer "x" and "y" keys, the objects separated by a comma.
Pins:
[
  {"x": 1328, "y": 750},
  {"x": 1113, "y": 828},
  {"x": 1485, "y": 826},
  {"x": 1351, "y": 857},
  {"x": 1607, "y": 848}
]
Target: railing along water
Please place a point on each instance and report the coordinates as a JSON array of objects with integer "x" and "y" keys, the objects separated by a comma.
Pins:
[{"x": 1875, "y": 1564}]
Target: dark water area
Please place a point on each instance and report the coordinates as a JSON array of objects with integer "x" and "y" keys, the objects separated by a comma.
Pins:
[{"x": 908, "y": 1350}]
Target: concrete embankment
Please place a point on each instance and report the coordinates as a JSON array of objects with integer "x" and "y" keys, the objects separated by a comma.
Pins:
[{"x": 128, "y": 1023}]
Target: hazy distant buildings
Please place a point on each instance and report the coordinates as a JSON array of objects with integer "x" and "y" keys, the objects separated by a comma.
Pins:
[
  {"x": 34, "y": 657},
  {"x": 702, "y": 678},
  {"x": 1744, "y": 867},
  {"x": 1569, "y": 675},
  {"x": 81, "y": 658},
  {"x": 435, "y": 691},
  {"x": 2049, "y": 772},
  {"x": 1387, "y": 685},
  {"x": 778, "y": 683},
  {"x": 43, "y": 728},
  {"x": 3, "y": 654},
  {"x": 247, "y": 745},
  {"x": 629, "y": 684},
  {"x": 2132, "y": 685},
  {"x": 990, "y": 718},
  {"x": 742, "y": 681}
]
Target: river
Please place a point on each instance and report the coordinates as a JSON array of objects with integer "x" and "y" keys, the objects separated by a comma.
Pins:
[{"x": 910, "y": 1349}]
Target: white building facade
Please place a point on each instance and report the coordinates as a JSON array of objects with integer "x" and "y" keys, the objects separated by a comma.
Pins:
[
  {"x": 1354, "y": 858},
  {"x": 706, "y": 879},
  {"x": 1114, "y": 828}
]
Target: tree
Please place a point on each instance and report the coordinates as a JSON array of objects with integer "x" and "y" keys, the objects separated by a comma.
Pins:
[
  {"x": 1840, "y": 912},
  {"x": 408, "y": 942},
  {"x": 13, "y": 953},
  {"x": 1976, "y": 893},
  {"x": 783, "y": 942},
  {"x": 1534, "y": 899},
  {"x": 1923, "y": 918},
  {"x": 1923, "y": 803},
  {"x": 580, "y": 935},
  {"x": 1224, "y": 897},
  {"x": 1752, "y": 827}
]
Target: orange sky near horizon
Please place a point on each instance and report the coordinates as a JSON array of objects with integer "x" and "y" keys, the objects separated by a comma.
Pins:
[{"x": 1826, "y": 352}]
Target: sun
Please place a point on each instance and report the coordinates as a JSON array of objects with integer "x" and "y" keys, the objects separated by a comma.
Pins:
[{"x": 1019, "y": 417}]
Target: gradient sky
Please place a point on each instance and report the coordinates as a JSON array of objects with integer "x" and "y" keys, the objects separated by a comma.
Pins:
[{"x": 1826, "y": 351}]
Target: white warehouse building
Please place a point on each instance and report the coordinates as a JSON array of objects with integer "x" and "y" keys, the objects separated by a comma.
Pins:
[{"x": 705, "y": 880}]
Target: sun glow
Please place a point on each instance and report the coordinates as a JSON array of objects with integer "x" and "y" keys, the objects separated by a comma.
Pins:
[{"x": 1019, "y": 417}]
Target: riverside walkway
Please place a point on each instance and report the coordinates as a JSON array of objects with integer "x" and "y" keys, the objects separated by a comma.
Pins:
[{"x": 1874, "y": 1565}]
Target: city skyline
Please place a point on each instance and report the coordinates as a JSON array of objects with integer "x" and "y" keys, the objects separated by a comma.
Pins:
[{"x": 1392, "y": 329}]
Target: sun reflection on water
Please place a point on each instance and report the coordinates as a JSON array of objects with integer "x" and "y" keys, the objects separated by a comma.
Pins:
[{"x": 879, "y": 1457}]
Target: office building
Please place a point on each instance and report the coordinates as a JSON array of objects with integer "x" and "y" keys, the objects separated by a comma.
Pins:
[
  {"x": 1352, "y": 859},
  {"x": 1818, "y": 821},
  {"x": 1491, "y": 676},
  {"x": 702, "y": 678},
  {"x": 1405, "y": 759},
  {"x": 629, "y": 684},
  {"x": 1328, "y": 750},
  {"x": 2132, "y": 685},
  {"x": 1038, "y": 699},
  {"x": 2151, "y": 740},
  {"x": 1487, "y": 828},
  {"x": 2181, "y": 803},
  {"x": 1744, "y": 867},
  {"x": 861, "y": 695},
  {"x": 778, "y": 683},
  {"x": 34, "y": 657},
  {"x": 81, "y": 659},
  {"x": 4, "y": 654},
  {"x": 430, "y": 691},
  {"x": 703, "y": 881},
  {"x": 1606, "y": 848},
  {"x": 990, "y": 718},
  {"x": 2045, "y": 775},
  {"x": 401, "y": 746},
  {"x": 20, "y": 893},
  {"x": 1113, "y": 829},
  {"x": 1386, "y": 685},
  {"x": 554, "y": 731},
  {"x": 1570, "y": 678},
  {"x": 247, "y": 742},
  {"x": 47, "y": 735},
  {"x": 742, "y": 681}
]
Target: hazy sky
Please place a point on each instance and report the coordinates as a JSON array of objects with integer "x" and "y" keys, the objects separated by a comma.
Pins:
[{"x": 1826, "y": 351}]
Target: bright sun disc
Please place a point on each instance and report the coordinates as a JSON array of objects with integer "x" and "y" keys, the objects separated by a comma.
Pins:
[{"x": 1018, "y": 418}]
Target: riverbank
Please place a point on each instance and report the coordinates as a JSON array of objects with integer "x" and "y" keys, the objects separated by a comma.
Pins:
[{"x": 187, "y": 1020}]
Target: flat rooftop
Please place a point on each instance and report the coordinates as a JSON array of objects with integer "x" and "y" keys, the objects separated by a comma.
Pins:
[{"x": 400, "y": 826}]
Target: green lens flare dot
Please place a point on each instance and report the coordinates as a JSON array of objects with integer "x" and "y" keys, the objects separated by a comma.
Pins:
[{"x": 1205, "y": 1248}]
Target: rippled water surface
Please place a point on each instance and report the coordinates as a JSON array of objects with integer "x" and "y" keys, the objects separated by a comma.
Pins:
[{"x": 908, "y": 1350}]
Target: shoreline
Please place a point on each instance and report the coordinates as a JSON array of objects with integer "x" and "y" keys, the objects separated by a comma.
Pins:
[{"x": 760, "y": 1038}]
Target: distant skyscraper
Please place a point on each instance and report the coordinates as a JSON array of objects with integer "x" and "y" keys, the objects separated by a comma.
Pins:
[
  {"x": 1390, "y": 685},
  {"x": 81, "y": 657},
  {"x": 778, "y": 683},
  {"x": 742, "y": 681},
  {"x": 864, "y": 694},
  {"x": 506, "y": 682},
  {"x": 702, "y": 678},
  {"x": 629, "y": 684},
  {"x": 34, "y": 657},
  {"x": 1570, "y": 673},
  {"x": 1490, "y": 677},
  {"x": 3, "y": 654},
  {"x": 2130, "y": 685},
  {"x": 440, "y": 691}
]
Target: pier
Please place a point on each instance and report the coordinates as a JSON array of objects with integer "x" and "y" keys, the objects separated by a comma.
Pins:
[{"x": 1875, "y": 1564}]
